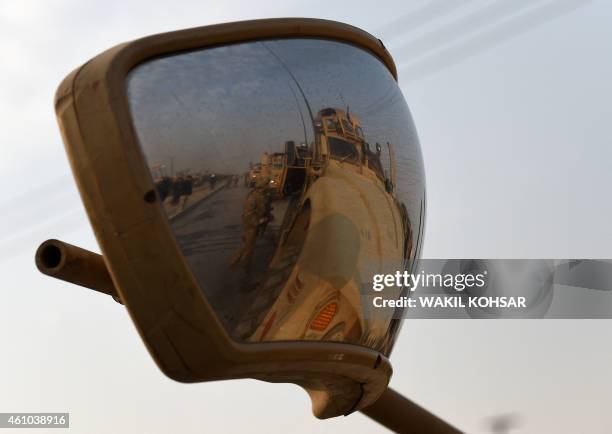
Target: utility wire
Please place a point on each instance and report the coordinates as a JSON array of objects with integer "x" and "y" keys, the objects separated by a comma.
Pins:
[
  {"x": 430, "y": 11},
  {"x": 486, "y": 16},
  {"x": 487, "y": 40}
]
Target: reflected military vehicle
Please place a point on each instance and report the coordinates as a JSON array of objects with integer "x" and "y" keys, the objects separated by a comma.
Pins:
[
  {"x": 161, "y": 180},
  {"x": 270, "y": 166},
  {"x": 276, "y": 170},
  {"x": 253, "y": 174},
  {"x": 343, "y": 226},
  {"x": 158, "y": 172},
  {"x": 287, "y": 170}
]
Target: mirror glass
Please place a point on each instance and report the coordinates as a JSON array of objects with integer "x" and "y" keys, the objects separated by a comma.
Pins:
[{"x": 290, "y": 172}]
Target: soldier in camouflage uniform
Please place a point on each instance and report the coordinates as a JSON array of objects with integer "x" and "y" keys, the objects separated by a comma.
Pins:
[{"x": 256, "y": 215}]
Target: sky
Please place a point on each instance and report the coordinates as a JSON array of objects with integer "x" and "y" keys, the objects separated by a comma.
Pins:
[
  {"x": 257, "y": 106},
  {"x": 512, "y": 110}
]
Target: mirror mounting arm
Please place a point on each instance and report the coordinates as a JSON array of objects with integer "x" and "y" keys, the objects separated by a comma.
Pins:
[
  {"x": 75, "y": 265},
  {"x": 400, "y": 415}
]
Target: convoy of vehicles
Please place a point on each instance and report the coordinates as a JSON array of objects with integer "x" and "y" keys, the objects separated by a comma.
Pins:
[{"x": 341, "y": 201}]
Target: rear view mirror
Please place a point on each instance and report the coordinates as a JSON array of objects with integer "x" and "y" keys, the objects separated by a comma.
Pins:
[
  {"x": 281, "y": 239},
  {"x": 237, "y": 187}
]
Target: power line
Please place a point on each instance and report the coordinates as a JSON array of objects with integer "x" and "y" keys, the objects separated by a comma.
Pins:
[
  {"x": 419, "y": 17},
  {"x": 48, "y": 189},
  {"x": 486, "y": 40},
  {"x": 431, "y": 41},
  {"x": 63, "y": 223},
  {"x": 465, "y": 25}
]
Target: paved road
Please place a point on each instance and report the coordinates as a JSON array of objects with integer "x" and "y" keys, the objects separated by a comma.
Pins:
[{"x": 209, "y": 233}]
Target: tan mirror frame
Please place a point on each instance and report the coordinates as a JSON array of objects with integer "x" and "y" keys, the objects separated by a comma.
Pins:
[{"x": 152, "y": 278}]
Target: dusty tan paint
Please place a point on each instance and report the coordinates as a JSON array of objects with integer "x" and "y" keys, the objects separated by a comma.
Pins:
[
  {"x": 160, "y": 293},
  {"x": 75, "y": 265}
]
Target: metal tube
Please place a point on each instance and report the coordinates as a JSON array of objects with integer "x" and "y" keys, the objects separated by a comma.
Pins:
[
  {"x": 75, "y": 265},
  {"x": 403, "y": 416}
]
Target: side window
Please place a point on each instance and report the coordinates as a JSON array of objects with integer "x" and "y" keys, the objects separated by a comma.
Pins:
[
  {"x": 347, "y": 127},
  {"x": 343, "y": 150},
  {"x": 330, "y": 124}
]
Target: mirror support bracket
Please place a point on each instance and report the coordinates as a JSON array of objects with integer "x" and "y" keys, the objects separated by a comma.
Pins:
[
  {"x": 75, "y": 265},
  {"x": 400, "y": 415}
]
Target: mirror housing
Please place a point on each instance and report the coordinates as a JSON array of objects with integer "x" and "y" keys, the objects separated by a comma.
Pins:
[{"x": 151, "y": 276}]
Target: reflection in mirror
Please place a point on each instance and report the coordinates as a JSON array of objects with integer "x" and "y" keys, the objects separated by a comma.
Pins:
[{"x": 291, "y": 173}]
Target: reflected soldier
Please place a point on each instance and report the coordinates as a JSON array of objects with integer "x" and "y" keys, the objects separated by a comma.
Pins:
[
  {"x": 163, "y": 188},
  {"x": 256, "y": 215},
  {"x": 186, "y": 190},
  {"x": 176, "y": 190}
]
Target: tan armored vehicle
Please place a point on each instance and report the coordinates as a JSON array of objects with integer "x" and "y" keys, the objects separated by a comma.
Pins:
[
  {"x": 277, "y": 169},
  {"x": 342, "y": 209},
  {"x": 253, "y": 174}
]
